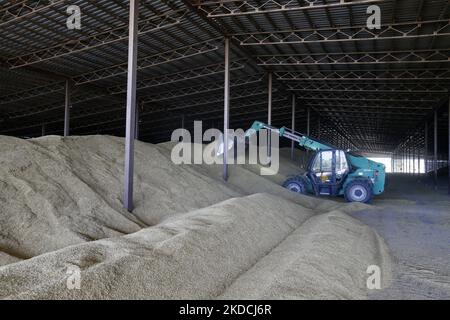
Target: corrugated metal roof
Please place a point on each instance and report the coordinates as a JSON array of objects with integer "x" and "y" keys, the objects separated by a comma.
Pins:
[{"x": 321, "y": 51}]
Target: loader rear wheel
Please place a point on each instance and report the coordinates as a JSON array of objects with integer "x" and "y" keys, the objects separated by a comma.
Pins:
[
  {"x": 295, "y": 184},
  {"x": 358, "y": 191}
]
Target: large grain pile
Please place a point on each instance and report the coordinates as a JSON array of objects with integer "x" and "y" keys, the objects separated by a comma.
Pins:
[
  {"x": 325, "y": 258},
  {"x": 57, "y": 192},
  {"x": 191, "y": 235}
]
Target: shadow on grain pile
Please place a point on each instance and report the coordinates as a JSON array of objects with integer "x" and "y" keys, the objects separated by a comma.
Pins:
[{"x": 191, "y": 235}]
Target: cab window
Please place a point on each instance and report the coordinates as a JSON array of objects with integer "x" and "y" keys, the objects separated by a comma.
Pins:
[
  {"x": 341, "y": 163},
  {"x": 323, "y": 162}
]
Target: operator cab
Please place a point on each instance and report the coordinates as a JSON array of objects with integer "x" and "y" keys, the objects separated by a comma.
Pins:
[{"x": 327, "y": 171}]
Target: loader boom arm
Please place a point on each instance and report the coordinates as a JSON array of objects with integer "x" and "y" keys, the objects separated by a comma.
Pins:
[{"x": 301, "y": 139}]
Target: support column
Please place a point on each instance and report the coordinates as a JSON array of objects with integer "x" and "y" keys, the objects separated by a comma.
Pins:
[
  {"x": 435, "y": 149},
  {"x": 410, "y": 159},
  {"x": 407, "y": 160},
  {"x": 226, "y": 109},
  {"x": 269, "y": 100},
  {"x": 425, "y": 151},
  {"x": 392, "y": 163},
  {"x": 293, "y": 126},
  {"x": 43, "y": 130},
  {"x": 131, "y": 105},
  {"x": 448, "y": 156},
  {"x": 401, "y": 160},
  {"x": 418, "y": 162},
  {"x": 397, "y": 162},
  {"x": 269, "y": 113},
  {"x": 308, "y": 133},
  {"x": 67, "y": 107}
]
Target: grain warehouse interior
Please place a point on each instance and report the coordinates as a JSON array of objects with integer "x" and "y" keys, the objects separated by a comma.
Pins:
[{"x": 345, "y": 105}]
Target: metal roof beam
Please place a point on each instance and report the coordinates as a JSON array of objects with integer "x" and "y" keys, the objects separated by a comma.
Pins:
[
  {"x": 378, "y": 75},
  {"x": 364, "y": 96},
  {"x": 356, "y": 104},
  {"x": 432, "y": 88},
  {"x": 236, "y": 95},
  {"x": 92, "y": 111},
  {"x": 32, "y": 93},
  {"x": 116, "y": 112},
  {"x": 393, "y": 31},
  {"x": 356, "y": 58},
  {"x": 235, "y": 8},
  {"x": 18, "y": 10},
  {"x": 184, "y": 75},
  {"x": 178, "y": 93},
  {"x": 149, "y": 61},
  {"x": 151, "y": 24},
  {"x": 365, "y": 99}
]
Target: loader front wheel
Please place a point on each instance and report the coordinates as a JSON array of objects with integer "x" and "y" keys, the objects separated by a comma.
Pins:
[
  {"x": 358, "y": 191},
  {"x": 295, "y": 184}
]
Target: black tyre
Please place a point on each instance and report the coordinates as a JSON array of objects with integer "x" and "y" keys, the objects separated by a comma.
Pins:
[
  {"x": 295, "y": 184},
  {"x": 359, "y": 191}
]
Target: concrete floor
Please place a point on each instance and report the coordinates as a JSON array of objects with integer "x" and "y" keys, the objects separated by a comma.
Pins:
[{"x": 414, "y": 220}]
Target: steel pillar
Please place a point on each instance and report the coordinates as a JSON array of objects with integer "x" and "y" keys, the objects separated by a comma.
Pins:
[
  {"x": 392, "y": 163},
  {"x": 308, "y": 133},
  {"x": 67, "y": 107},
  {"x": 269, "y": 99},
  {"x": 407, "y": 159},
  {"x": 418, "y": 162},
  {"x": 396, "y": 163},
  {"x": 405, "y": 170},
  {"x": 425, "y": 150},
  {"x": 131, "y": 105},
  {"x": 401, "y": 162},
  {"x": 269, "y": 112},
  {"x": 435, "y": 149},
  {"x": 410, "y": 155},
  {"x": 43, "y": 130},
  {"x": 411, "y": 160},
  {"x": 293, "y": 127},
  {"x": 226, "y": 109}
]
